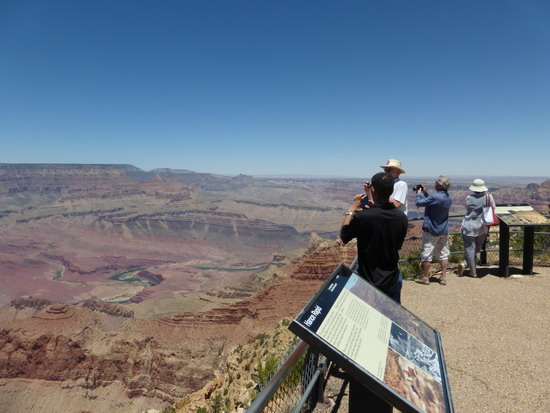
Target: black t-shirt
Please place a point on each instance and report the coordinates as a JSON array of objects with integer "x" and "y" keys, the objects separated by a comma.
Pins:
[{"x": 380, "y": 231}]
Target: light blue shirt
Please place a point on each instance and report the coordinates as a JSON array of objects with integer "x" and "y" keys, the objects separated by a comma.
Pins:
[
  {"x": 436, "y": 215},
  {"x": 472, "y": 225}
]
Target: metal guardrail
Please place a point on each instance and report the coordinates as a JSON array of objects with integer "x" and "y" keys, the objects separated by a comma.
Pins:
[
  {"x": 299, "y": 381},
  {"x": 409, "y": 262},
  {"x": 295, "y": 386}
]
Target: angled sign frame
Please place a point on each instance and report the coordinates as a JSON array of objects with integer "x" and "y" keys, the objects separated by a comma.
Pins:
[{"x": 378, "y": 342}]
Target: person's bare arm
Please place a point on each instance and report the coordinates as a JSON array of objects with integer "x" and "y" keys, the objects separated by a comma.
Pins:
[
  {"x": 355, "y": 206},
  {"x": 395, "y": 202},
  {"x": 367, "y": 187}
]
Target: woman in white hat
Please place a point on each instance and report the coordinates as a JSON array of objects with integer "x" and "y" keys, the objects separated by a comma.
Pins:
[{"x": 474, "y": 231}]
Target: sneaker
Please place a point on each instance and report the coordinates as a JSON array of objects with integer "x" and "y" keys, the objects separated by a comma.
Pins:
[
  {"x": 442, "y": 282},
  {"x": 424, "y": 281},
  {"x": 460, "y": 269}
]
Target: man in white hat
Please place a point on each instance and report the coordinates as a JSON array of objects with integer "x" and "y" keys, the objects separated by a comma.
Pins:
[{"x": 400, "y": 188}]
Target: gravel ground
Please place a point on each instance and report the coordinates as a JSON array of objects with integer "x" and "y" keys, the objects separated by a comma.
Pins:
[{"x": 496, "y": 340}]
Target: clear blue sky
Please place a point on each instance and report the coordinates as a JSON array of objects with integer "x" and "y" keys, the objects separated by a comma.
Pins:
[{"x": 278, "y": 87}]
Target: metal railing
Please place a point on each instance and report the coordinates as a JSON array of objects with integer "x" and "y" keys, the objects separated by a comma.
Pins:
[
  {"x": 409, "y": 262},
  {"x": 292, "y": 388},
  {"x": 299, "y": 381}
]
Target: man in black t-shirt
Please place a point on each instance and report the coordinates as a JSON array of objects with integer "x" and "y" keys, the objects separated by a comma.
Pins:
[{"x": 380, "y": 231}]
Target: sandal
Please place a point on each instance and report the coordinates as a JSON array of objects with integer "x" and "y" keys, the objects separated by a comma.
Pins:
[{"x": 424, "y": 281}]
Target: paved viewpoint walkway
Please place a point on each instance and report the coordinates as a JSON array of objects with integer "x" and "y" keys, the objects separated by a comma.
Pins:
[{"x": 496, "y": 339}]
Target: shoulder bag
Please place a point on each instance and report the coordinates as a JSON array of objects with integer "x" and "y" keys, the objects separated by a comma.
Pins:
[{"x": 489, "y": 217}]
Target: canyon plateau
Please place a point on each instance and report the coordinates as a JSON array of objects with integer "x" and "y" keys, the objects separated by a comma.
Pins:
[{"x": 123, "y": 290}]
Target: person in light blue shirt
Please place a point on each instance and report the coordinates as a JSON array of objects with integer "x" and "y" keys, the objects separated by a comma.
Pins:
[
  {"x": 436, "y": 228},
  {"x": 473, "y": 230}
]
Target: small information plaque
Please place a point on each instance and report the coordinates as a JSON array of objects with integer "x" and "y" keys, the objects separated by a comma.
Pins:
[
  {"x": 377, "y": 341},
  {"x": 515, "y": 215}
]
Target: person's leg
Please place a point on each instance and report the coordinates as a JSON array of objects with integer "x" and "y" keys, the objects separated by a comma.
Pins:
[
  {"x": 426, "y": 265},
  {"x": 479, "y": 240},
  {"x": 426, "y": 258},
  {"x": 443, "y": 279},
  {"x": 462, "y": 265},
  {"x": 475, "y": 247},
  {"x": 425, "y": 273},
  {"x": 444, "y": 258},
  {"x": 470, "y": 253}
]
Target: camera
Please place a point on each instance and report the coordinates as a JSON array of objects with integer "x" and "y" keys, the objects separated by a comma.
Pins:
[{"x": 417, "y": 187}]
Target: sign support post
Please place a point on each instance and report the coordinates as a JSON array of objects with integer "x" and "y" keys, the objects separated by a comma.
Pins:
[
  {"x": 360, "y": 397},
  {"x": 504, "y": 250},
  {"x": 518, "y": 215},
  {"x": 528, "y": 249}
]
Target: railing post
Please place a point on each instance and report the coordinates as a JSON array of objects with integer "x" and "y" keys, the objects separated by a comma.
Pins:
[
  {"x": 504, "y": 250},
  {"x": 528, "y": 247}
]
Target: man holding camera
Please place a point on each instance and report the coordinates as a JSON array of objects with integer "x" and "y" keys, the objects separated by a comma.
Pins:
[
  {"x": 436, "y": 227},
  {"x": 380, "y": 231}
]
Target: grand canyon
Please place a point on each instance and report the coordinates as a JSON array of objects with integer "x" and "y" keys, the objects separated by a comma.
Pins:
[{"x": 123, "y": 289}]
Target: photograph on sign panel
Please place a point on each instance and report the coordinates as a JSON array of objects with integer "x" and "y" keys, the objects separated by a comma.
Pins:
[
  {"x": 414, "y": 384},
  {"x": 415, "y": 351}
]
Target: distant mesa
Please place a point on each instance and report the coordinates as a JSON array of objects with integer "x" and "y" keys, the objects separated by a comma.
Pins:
[
  {"x": 56, "y": 312},
  {"x": 171, "y": 171},
  {"x": 58, "y": 309}
]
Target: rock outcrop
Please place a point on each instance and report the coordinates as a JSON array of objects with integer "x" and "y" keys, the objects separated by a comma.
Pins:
[
  {"x": 108, "y": 308},
  {"x": 56, "y": 312},
  {"x": 30, "y": 302}
]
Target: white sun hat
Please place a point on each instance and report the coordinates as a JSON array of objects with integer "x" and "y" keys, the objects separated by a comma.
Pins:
[{"x": 478, "y": 186}]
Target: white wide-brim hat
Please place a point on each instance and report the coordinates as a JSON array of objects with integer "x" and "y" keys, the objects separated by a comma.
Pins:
[
  {"x": 393, "y": 163},
  {"x": 478, "y": 186}
]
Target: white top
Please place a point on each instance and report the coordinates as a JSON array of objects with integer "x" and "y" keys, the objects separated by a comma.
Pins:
[{"x": 400, "y": 189}]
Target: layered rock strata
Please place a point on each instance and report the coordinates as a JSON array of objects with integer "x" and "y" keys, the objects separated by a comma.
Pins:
[{"x": 162, "y": 359}]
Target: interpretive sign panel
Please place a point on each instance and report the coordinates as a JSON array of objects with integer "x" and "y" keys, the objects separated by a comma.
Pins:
[
  {"x": 377, "y": 341},
  {"x": 520, "y": 215}
]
